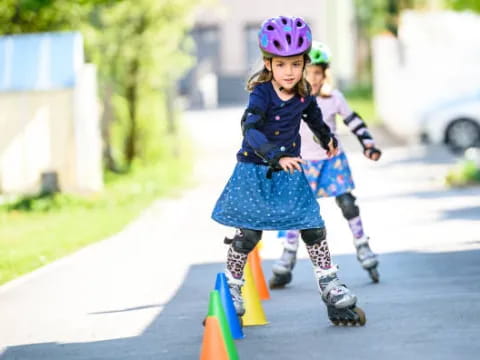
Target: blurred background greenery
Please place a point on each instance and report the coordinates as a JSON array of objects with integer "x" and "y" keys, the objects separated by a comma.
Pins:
[{"x": 141, "y": 49}]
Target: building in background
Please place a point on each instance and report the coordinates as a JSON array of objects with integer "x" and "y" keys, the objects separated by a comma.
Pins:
[
  {"x": 225, "y": 36},
  {"x": 49, "y": 118}
]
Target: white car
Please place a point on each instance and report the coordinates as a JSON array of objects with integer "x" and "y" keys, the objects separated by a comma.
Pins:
[{"x": 455, "y": 123}]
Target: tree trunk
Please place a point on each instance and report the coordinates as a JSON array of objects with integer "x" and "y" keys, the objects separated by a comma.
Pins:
[
  {"x": 170, "y": 109},
  {"x": 170, "y": 113},
  {"x": 362, "y": 50},
  {"x": 132, "y": 100},
  {"x": 107, "y": 120},
  {"x": 131, "y": 144}
]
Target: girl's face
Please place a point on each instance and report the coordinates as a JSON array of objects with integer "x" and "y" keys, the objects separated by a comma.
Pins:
[
  {"x": 315, "y": 76},
  {"x": 287, "y": 71}
]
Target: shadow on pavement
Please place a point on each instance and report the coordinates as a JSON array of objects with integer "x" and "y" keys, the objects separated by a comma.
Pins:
[
  {"x": 428, "y": 194},
  {"x": 466, "y": 213},
  {"x": 427, "y": 306}
]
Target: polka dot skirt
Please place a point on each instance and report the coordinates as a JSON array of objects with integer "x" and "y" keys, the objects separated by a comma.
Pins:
[{"x": 252, "y": 201}]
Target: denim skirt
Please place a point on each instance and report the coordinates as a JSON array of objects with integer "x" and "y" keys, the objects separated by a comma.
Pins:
[{"x": 252, "y": 201}]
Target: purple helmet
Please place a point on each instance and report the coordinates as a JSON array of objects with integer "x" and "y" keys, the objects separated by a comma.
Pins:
[{"x": 284, "y": 36}]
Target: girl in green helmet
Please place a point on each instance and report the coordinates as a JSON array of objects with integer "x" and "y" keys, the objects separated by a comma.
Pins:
[{"x": 329, "y": 177}]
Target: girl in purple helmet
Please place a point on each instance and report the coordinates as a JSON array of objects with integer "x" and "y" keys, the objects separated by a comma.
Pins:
[
  {"x": 329, "y": 177},
  {"x": 268, "y": 190}
]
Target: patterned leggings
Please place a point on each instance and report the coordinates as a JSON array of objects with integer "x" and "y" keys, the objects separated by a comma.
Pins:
[{"x": 319, "y": 255}]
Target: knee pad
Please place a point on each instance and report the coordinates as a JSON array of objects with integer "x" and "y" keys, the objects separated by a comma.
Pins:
[
  {"x": 313, "y": 236},
  {"x": 245, "y": 240},
  {"x": 346, "y": 202}
]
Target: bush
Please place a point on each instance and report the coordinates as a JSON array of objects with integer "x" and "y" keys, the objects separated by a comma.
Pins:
[{"x": 464, "y": 173}]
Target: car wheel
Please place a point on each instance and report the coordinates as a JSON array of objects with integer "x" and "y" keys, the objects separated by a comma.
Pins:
[{"x": 462, "y": 134}]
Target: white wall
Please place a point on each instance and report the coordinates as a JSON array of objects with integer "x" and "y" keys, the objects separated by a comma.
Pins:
[
  {"x": 87, "y": 135},
  {"x": 44, "y": 131},
  {"x": 26, "y": 149}
]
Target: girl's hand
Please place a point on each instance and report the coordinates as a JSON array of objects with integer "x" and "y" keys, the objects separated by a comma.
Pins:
[
  {"x": 372, "y": 152},
  {"x": 290, "y": 164},
  {"x": 332, "y": 149}
]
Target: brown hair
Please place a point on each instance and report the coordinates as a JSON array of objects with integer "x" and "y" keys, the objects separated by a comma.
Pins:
[{"x": 302, "y": 88}]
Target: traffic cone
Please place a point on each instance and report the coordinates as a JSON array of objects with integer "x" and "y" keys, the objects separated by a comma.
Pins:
[
  {"x": 221, "y": 286},
  {"x": 215, "y": 309},
  {"x": 258, "y": 277},
  {"x": 213, "y": 346},
  {"x": 254, "y": 314}
]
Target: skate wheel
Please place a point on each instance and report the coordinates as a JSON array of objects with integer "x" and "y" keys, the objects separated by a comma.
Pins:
[
  {"x": 361, "y": 315},
  {"x": 279, "y": 282},
  {"x": 373, "y": 272},
  {"x": 272, "y": 284},
  {"x": 340, "y": 322}
]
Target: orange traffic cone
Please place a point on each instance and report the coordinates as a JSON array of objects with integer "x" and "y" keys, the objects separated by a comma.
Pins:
[
  {"x": 254, "y": 314},
  {"x": 258, "y": 277},
  {"x": 213, "y": 346}
]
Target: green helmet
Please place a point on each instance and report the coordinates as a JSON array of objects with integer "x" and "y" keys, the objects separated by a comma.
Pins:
[{"x": 319, "y": 54}]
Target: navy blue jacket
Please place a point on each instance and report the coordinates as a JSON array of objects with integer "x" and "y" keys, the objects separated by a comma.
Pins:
[{"x": 271, "y": 126}]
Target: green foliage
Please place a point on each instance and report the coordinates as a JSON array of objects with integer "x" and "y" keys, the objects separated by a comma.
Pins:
[
  {"x": 371, "y": 15},
  {"x": 375, "y": 16},
  {"x": 137, "y": 50},
  {"x": 473, "y": 5},
  {"x": 46, "y": 202},
  {"x": 26, "y": 16},
  {"x": 359, "y": 92},
  {"x": 144, "y": 31},
  {"x": 466, "y": 172}
]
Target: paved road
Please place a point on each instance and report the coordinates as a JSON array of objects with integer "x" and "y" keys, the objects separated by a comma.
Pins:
[{"x": 142, "y": 293}]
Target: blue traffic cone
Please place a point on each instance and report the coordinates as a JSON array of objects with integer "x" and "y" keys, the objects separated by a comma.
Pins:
[{"x": 221, "y": 286}]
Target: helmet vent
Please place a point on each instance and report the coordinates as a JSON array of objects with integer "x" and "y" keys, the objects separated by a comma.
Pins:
[
  {"x": 284, "y": 21},
  {"x": 299, "y": 23},
  {"x": 277, "y": 44},
  {"x": 300, "y": 42},
  {"x": 289, "y": 39},
  {"x": 270, "y": 28}
]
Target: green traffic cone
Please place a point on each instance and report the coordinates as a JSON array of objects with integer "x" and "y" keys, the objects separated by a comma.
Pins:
[{"x": 215, "y": 308}]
